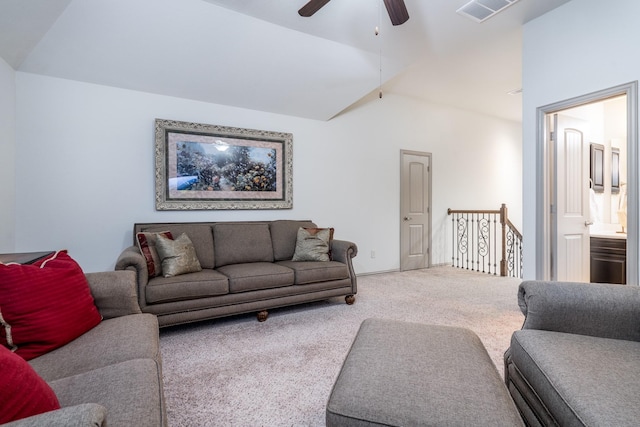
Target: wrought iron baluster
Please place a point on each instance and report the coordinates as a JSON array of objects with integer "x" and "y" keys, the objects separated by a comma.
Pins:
[
  {"x": 496, "y": 247},
  {"x": 473, "y": 239},
  {"x": 484, "y": 243}
]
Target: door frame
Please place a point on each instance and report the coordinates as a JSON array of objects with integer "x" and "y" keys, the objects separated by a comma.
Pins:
[
  {"x": 429, "y": 201},
  {"x": 544, "y": 227}
]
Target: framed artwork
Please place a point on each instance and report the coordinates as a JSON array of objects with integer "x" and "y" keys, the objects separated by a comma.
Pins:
[
  {"x": 597, "y": 167},
  {"x": 200, "y": 166},
  {"x": 615, "y": 170}
]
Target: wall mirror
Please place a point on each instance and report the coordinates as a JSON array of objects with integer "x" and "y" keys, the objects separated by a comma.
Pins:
[{"x": 597, "y": 167}]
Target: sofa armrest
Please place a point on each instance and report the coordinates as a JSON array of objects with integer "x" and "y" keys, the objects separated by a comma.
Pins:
[
  {"x": 600, "y": 310},
  {"x": 114, "y": 293},
  {"x": 132, "y": 259},
  {"x": 343, "y": 251},
  {"x": 84, "y": 415}
]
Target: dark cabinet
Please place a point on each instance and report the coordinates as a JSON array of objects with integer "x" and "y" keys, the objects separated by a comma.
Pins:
[
  {"x": 23, "y": 258},
  {"x": 608, "y": 260}
]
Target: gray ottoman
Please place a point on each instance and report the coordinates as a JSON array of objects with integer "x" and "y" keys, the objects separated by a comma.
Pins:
[{"x": 409, "y": 374}]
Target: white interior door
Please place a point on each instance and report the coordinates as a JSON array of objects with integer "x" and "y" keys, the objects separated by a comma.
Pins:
[
  {"x": 415, "y": 218},
  {"x": 571, "y": 203}
]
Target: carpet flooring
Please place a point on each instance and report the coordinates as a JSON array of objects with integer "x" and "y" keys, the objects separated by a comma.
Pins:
[{"x": 240, "y": 372}]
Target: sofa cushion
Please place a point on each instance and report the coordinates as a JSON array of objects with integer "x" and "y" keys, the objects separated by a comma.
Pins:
[
  {"x": 199, "y": 234},
  {"x": 256, "y": 275},
  {"x": 86, "y": 414},
  {"x": 178, "y": 256},
  {"x": 112, "y": 341},
  {"x": 131, "y": 391},
  {"x": 44, "y": 305},
  {"x": 313, "y": 244},
  {"x": 202, "y": 284},
  {"x": 283, "y": 237},
  {"x": 237, "y": 243},
  {"x": 316, "y": 271},
  {"x": 22, "y": 392},
  {"x": 582, "y": 380},
  {"x": 147, "y": 246}
]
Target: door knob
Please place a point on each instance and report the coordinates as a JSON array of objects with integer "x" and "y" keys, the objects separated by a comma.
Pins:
[
  {"x": 588, "y": 223},
  {"x": 407, "y": 218}
]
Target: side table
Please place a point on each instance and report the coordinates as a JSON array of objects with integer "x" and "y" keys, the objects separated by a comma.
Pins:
[{"x": 24, "y": 257}]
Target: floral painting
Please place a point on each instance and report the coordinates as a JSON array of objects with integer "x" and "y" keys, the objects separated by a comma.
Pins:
[{"x": 211, "y": 167}]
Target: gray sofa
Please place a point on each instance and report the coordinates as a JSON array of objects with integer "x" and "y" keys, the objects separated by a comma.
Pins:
[
  {"x": 576, "y": 361},
  {"x": 246, "y": 267},
  {"x": 112, "y": 374}
]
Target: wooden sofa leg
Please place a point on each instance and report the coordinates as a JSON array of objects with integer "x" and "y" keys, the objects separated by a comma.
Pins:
[
  {"x": 262, "y": 315},
  {"x": 350, "y": 299}
]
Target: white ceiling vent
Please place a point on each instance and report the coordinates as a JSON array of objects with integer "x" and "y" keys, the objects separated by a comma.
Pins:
[{"x": 481, "y": 10}]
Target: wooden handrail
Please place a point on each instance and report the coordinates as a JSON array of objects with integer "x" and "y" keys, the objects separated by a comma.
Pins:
[
  {"x": 514, "y": 229},
  {"x": 457, "y": 211}
]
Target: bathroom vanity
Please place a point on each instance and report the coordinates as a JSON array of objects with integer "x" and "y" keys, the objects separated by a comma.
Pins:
[{"x": 609, "y": 258}]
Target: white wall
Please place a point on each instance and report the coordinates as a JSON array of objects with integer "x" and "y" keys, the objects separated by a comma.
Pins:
[
  {"x": 85, "y": 168},
  {"x": 7, "y": 157},
  {"x": 578, "y": 48}
]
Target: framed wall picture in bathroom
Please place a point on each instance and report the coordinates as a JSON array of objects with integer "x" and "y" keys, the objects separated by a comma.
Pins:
[
  {"x": 597, "y": 167},
  {"x": 615, "y": 170}
]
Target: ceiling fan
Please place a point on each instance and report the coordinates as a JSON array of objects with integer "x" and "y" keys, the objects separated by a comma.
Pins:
[{"x": 396, "y": 9}]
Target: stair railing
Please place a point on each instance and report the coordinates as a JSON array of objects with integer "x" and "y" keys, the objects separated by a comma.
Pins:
[{"x": 477, "y": 236}]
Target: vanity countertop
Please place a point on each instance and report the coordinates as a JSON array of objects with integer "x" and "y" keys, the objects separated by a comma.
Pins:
[{"x": 609, "y": 235}]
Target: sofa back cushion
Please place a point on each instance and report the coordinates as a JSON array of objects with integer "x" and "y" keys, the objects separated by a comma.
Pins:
[
  {"x": 237, "y": 243},
  {"x": 283, "y": 236},
  {"x": 199, "y": 234}
]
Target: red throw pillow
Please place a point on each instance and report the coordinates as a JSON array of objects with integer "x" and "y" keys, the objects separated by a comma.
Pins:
[
  {"x": 44, "y": 305},
  {"x": 22, "y": 392},
  {"x": 147, "y": 245}
]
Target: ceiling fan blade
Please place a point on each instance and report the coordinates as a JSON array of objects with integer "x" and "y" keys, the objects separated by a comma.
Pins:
[
  {"x": 312, "y": 7},
  {"x": 397, "y": 11}
]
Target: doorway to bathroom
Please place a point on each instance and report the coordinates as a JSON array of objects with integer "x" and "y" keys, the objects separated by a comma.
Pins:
[{"x": 587, "y": 166}]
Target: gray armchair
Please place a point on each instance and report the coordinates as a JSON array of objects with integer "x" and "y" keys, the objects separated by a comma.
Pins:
[{"x": 576, "y": 360}]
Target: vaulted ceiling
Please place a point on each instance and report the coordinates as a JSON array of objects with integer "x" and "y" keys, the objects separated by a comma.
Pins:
[{"x": 261, "y": 55}]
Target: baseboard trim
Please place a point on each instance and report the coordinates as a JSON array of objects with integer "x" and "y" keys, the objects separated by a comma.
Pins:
[
  {"x": 373, "y": 273},
  {"x": 397, "y": 270}
]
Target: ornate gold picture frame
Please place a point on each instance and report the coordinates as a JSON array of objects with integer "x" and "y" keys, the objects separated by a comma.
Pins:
[{"x": 201, "y": 166}]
